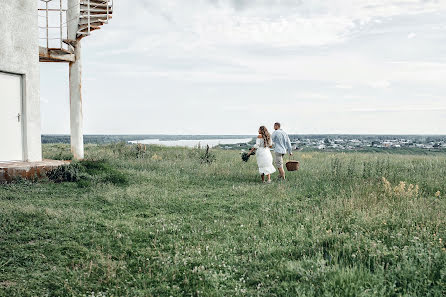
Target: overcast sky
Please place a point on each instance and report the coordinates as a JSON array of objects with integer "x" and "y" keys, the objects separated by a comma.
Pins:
[{"x": 228, "y": 66}]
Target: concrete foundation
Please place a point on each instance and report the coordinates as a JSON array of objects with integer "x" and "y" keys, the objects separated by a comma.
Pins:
[{"x": 27, "y": 170}]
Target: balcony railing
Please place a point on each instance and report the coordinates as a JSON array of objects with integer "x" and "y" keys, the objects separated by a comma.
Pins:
[{"x": 53, "y": 27}]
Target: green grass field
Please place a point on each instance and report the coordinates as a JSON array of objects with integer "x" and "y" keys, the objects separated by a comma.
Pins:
[{"x": 165, "y": 224}]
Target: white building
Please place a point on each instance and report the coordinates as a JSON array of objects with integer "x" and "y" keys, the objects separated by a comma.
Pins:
[
  {"x": 20, "y": 54},
  {"x": 19, "y": 81}
]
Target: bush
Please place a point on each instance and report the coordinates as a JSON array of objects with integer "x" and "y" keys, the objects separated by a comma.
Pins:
[
  {"x": 207, "y": 157},
  {"x": 84, "y": 173},
  {"x": 140, "y": 150},
  {"x": 65, "y": 173}
]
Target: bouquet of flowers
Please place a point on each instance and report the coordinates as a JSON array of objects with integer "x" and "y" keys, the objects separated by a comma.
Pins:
[{"x": 245, "y": 156}]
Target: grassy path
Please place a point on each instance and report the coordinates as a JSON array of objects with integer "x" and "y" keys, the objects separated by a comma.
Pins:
[{"x": 171, "y": 226}]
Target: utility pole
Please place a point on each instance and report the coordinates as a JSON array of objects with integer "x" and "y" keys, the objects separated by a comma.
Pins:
[{"x": 75, "y": 77}]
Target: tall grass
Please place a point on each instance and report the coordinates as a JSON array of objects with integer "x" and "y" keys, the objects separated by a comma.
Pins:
[{"x": 183, "y": 227}]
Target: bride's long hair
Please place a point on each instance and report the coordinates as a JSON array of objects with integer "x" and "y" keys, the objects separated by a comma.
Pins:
[{"x": 265, "y": 135}]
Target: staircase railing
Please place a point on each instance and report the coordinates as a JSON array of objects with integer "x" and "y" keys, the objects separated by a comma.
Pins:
[
  {"x": 93, "y": 16},
  {"x": 53, "y": 22},
  {"x": 57, "y": 13},
  {"x": 89, "y": 17}
]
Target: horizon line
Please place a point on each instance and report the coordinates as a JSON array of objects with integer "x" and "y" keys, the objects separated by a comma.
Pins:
[{"x": 346, "y": 134}]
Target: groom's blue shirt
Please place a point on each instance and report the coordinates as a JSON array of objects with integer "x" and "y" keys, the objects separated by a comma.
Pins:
[{"x": 282, "y": 143}]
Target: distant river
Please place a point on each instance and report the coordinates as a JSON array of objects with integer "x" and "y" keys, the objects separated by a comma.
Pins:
[{"x": 193, "y": 143}]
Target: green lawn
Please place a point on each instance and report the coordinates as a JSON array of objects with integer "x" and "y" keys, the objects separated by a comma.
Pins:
[{"x": 165, "y": 224}]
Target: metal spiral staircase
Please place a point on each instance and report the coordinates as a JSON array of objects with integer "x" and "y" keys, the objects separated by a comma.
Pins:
[
  {"x": 64, "y": 24},
  {"x": 94, "y": 14},
  {"x": 54, "y": 21}
]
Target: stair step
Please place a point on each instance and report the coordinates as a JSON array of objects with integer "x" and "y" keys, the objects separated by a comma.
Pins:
[
  {"x": 85, "y": 32},
  {"x": 85, "y": 27},
  {"x": 70, "y": 42},
  {"x": 104, "y": 8},
  {"x": 92, "y": 22},
  {"x": 96, "y": 10},
  {"x": 95, "y": 16},
  {"x": 101, "y": 2},
  {"x": 96, "y": 4},
  {"x": 55, "y": 55},
  {"x": 95, "y": 22}
]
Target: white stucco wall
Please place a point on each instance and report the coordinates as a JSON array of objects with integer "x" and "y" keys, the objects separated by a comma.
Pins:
[{"x": 19, "y": 53}]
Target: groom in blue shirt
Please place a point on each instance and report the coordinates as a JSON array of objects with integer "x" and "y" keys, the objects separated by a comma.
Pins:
[{"x": 282, "y": 145}]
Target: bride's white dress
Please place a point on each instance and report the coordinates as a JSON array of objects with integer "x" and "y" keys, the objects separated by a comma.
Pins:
[{"x": 264, "y": 158}]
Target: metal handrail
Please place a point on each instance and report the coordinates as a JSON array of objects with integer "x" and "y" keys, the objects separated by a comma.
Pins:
[
  {"x": 60, "y": 22},
  {"x": 89, "y": 17},
  {"x": 61, "y": 10},
  {"x": 89, "y": 8},
  {"x": 47, "y": 10}
]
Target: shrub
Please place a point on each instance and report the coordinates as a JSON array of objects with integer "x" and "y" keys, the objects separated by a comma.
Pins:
[
  {"x": 207, "y": 157},
  {"x": 84, "y": 173},
  {"x": 141, "y": 150},
  {"x": 401, "y": 190},
  {"x": 65, "y": 173}
]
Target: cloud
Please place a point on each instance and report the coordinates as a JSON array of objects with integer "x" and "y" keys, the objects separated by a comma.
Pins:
[
  {"x": 281, "y": 23},
  {"x": 319, "y": 57},
  {"x": 403, "y": 109},
  {"x": 344, "y": 87},
  {"x": 379, "y": 84},
  {"x": 216, "y": 28}
]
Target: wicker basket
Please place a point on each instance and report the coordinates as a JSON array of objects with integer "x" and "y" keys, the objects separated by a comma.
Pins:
[{"x": 292, "y": 165}]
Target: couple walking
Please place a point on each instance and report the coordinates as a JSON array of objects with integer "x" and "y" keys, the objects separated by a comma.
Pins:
[{"x": 264, "y": 142}]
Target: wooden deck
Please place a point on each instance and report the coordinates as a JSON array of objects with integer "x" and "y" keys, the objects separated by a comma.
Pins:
[{"x": 27, "y": 170}]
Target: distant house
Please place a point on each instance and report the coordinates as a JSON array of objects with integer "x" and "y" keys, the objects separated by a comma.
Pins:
[{"x": 20, "y": 54}]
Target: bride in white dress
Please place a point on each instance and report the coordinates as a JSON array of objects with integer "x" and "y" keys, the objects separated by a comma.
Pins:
[{"x": 263, "y": 154}]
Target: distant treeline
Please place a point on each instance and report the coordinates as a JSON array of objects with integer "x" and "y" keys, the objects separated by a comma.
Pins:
[
  {"x": 99, "y": 139},
  {"x": 103, "y": 139},
  {"x": 385, "y": 150},
  {"x": 370, "y": 137}
]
